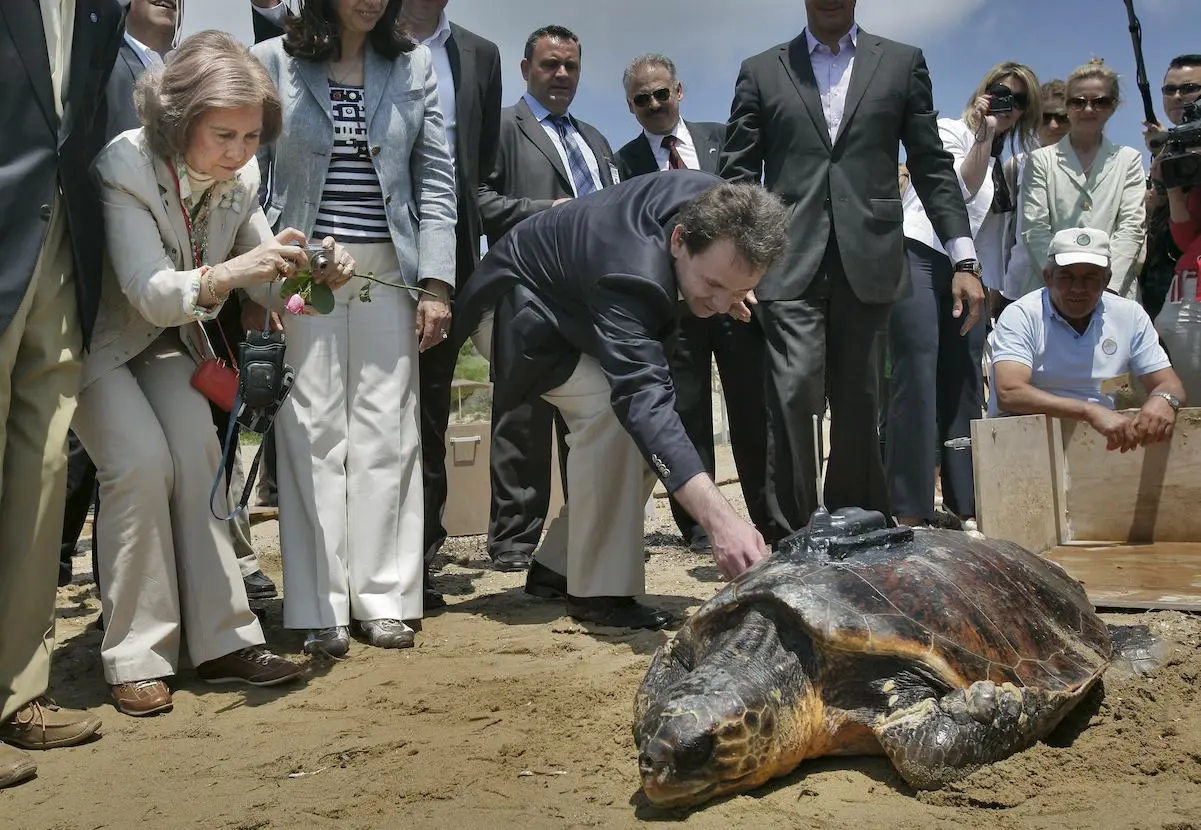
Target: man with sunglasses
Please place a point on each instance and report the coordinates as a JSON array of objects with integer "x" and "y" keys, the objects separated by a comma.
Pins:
[
  {"x": 1181, "y": 87},
  {"x": 1066, "y": 350},
  {"x": 668, "y": 142}
]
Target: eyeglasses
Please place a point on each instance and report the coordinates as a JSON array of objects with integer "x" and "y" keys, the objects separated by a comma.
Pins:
[
  {"x": 643, "y": 99},
  {"x": 1179, "y": 89},
  {"x": 1101, "y": 102},
  {"x": 1060, "y": 117}
]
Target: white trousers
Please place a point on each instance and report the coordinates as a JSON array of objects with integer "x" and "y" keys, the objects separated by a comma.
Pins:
[
  {"x": 349, "y": 468},
  {"x": 166, "y": 563},
  {"x": 597, "y": 543}
]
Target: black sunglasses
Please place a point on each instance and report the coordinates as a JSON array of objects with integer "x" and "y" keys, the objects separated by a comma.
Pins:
[
  {"x": 1183, "y": 89},
  {"x": 1101, "y": 102},
  {"x": 1048, "y": 117},
  {"x": 643, "y": 99}
]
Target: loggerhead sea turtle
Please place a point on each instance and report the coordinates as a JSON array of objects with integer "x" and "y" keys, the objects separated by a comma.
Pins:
[{"x": 941, "y": 651}]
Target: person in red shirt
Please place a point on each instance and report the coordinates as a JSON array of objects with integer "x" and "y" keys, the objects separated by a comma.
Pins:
[{"x": 1179, "y": 322}]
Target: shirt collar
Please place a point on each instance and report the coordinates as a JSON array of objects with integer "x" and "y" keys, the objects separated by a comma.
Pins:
[
  {"x": 540, "y": 112},
  {"x": 441, "y": 34},
  {"x": 680, "y": 132},
  {"x": 1052, "y": 312},
  {"x": 146, "y": 55},
  {"x": 850, "y": 39}
]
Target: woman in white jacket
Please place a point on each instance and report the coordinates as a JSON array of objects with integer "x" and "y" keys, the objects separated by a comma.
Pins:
[{"x": 936, "y": 386}]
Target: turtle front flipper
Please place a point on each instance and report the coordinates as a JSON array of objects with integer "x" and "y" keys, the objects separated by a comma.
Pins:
[{"x": 944, "y": 739}]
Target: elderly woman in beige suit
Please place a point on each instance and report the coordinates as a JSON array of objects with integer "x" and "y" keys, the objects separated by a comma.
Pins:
[
  {"x": 184, "y": 229},
  {"x": 1085, "y": 180}
]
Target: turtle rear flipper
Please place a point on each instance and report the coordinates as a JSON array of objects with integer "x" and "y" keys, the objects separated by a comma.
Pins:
[
  {"x": 1136, "y": 651},
  {"x": 944, "y": 739}
]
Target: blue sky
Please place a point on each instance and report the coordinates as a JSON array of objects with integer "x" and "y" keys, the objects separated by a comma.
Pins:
[{"x": 708, "y": 39}]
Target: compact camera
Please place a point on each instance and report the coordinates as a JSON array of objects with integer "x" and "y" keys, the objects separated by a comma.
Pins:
[
  {"x": 319, "y": 257},
  {"x": 1000, "y": 99},
  {"x": 1179, "y": 165},
  {"x": 264, "y": 379}
]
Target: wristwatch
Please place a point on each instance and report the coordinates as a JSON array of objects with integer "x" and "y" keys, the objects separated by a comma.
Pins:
[
  {"x": 968, "y": 266},
  {"x": 1172, "y": 400}
]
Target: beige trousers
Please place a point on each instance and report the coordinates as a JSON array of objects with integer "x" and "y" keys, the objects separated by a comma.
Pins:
[
  {"x": 39, "y": 377},
  {"x": 349, "y": 464},
  {"x": 596, "y": 540},
  {"x": 166, "y": 563}
]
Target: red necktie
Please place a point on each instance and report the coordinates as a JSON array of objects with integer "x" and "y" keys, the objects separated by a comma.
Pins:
[{"x": 673, "y": 155}]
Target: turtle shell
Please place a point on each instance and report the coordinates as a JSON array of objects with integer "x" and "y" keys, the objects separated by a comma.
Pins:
[{"x": 968, "y": 609}]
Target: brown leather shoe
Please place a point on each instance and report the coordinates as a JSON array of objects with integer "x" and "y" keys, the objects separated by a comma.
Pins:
[
  {"x": 254, "y": 665},
  {"x": 43, "y": 725},
  {"x": 142, "y": 697},
  {"x": 15, "y": 766}
]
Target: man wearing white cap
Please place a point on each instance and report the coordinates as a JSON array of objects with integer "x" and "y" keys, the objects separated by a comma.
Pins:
[{"x": 1066, "y": 349}]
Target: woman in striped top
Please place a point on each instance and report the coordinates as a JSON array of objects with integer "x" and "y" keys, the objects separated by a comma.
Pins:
[{"x": 363, "y": 158}]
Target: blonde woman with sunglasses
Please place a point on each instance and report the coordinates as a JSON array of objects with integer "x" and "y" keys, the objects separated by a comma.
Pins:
[{"x": 1085, "y": 180}]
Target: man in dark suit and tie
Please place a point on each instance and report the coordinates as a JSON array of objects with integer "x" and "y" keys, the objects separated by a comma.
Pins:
[
  {"x": 653, "y": 93},
  {"x": 545, "y": 157},
  {"x": 55, "y": 57},
  {"x": 597, "y": 283},
  {"x": 821, "y": 120},
  {"x": 469, "y": 94}
]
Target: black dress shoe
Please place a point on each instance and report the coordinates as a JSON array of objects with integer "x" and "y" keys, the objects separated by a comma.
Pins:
[
  {"x": 511, "y": 561},
  {"x": 542, "y": 582},
  {"x": 259, "y": 586},
  {"x": 431, "y": 600},
  {"x": 617, "y": 612}
]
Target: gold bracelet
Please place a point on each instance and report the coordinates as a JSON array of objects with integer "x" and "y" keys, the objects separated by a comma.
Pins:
[{"x": 210, "y": 284}]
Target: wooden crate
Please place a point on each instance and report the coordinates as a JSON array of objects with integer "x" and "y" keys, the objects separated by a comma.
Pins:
[{"x": 1127, "y": 525}]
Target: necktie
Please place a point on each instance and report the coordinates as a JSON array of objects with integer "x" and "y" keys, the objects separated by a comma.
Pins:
[
  {"x": 581, "y": 176},
  {"x": 673, "y": 155}
]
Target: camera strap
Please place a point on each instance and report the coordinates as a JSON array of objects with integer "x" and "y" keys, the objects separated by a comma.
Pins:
[{"x": 227, "y": 450}]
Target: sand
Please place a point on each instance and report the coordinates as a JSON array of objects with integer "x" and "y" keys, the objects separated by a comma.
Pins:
[{"x": 508, "y": 714}]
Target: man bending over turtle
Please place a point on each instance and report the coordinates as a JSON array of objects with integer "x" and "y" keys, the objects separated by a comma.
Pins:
[
  {"x": 1066, "y": 349},
  {"x": 594, "y": 285}
]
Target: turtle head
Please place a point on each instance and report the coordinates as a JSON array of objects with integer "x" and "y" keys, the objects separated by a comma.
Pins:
[{"x": 708, "y": 743}]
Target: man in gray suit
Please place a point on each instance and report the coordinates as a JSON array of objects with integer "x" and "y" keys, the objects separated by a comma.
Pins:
[
  {"x": 668, "y": 142},
  {"x": 545, "y": 157},
  {"x": 821, "y": 119}
]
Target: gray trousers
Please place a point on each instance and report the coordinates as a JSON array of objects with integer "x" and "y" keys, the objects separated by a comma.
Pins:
[{"x": 822, "y": 347}]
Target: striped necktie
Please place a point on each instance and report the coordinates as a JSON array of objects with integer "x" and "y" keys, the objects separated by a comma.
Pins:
[{"x": 581, "y": 176}]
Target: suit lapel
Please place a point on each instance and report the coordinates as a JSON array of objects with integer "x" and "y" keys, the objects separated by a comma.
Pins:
[
  {"x": 645, "y": 163},
  {"x": 1069, "y": 163},
  {"x": 377, "y": 73},
  {"x": 604, "y": 162},
  {"x": 132, "y": 62},
  {"x": 24, "y": 21},
  {"x": 867, "y": 61},
  {"x": 1103, "y": 164},
  {"x": 169, "y": 193},
  {"x": 83, "y": 41},
  {"x": 795, "y": 58},
  {"x": 462, "y": 65},
  {"x": 706, "y": 151},
  {"x": 315, "y": 77},
  {"x": 532, "y": 128}
]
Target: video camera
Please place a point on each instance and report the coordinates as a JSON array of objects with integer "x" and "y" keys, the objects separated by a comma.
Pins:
[
  {"x": 264, "y": 379},
  {"x": 1179, "y": 165}
]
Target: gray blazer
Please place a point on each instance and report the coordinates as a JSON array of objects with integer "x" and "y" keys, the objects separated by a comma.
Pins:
[
  {"x": 407, "y": 136},
  {"x": 149, "y": 283}
]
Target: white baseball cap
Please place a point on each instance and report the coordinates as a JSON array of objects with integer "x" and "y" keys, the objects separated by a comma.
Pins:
[{"x": 1077, "y": 245}]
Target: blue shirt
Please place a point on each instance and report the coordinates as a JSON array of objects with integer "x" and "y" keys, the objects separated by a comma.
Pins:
[{"x": 1120, "y": 340}]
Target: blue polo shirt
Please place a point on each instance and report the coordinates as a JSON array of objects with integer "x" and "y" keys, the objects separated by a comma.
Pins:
[{"x": 1120, "y": 339}]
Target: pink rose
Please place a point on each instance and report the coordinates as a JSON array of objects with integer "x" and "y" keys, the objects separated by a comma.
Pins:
[{"x": 295, "y": 304}]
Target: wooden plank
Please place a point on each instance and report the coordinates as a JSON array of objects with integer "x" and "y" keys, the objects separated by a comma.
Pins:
[
  {"x": 1016, "y": 481},
  {"x": 1162, "y": 576},
  {"x": 1148, "y": 494}
]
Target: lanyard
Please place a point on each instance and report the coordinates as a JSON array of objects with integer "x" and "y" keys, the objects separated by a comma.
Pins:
[{"x": 197, "y": 254}]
